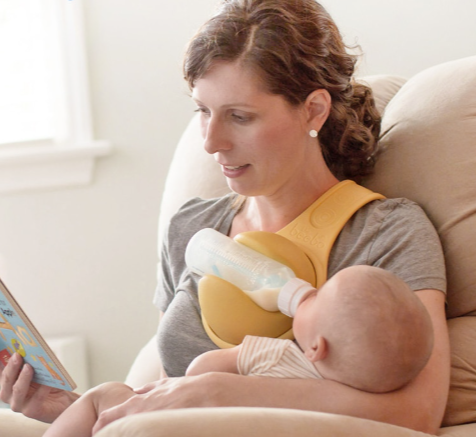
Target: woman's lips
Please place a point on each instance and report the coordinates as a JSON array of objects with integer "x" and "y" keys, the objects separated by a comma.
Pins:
[{"x": 233, "y": 171}]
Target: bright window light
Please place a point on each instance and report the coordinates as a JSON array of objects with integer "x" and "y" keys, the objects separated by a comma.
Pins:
[
  {"x": 27, "y": 72},
  {"x": 46, "y": 137}
]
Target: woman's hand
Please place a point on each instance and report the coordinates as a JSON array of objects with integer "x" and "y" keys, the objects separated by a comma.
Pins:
[
  {"x": 33, "y": 400},
  {"x": 167, "y": 393}
]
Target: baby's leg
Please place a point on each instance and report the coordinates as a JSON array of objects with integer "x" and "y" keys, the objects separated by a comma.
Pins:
[{"x": 78, "y": 420}]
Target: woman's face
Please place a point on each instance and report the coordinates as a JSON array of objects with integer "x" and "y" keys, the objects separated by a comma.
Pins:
[{"x": 259, "y": 139}]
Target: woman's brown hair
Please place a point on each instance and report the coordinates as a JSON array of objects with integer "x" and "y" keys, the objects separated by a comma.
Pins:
[{"x": 295, "y": 47}]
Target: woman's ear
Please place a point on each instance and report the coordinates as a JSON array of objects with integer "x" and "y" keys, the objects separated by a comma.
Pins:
[
  {"x": 318, "y": 350},
  {"x": 318, "y": 106}
]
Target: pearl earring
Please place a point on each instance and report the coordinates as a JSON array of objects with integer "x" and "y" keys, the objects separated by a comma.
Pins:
[{"x": 313, "y": 133}]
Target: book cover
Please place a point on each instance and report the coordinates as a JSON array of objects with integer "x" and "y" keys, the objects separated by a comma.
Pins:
[{"x": 18, "y": 334}]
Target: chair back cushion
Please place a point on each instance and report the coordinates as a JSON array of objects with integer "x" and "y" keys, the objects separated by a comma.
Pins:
[{"x": 429, "y": 156}]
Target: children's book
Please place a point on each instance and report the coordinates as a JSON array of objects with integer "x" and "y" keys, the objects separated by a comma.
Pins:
[{"x": 18, "y": 334}]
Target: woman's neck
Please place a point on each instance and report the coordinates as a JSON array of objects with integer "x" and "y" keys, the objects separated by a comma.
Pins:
[{"x": 270, "y": 214}]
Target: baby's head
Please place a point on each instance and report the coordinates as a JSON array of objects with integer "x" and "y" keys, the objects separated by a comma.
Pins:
[{"x": 365, "y": 328}]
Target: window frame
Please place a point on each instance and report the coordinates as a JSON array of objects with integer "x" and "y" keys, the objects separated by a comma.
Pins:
[{"x": 69, "y": 161}]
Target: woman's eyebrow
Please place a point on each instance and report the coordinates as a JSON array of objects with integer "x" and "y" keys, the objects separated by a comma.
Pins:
[{"x": 228, "y": 105}]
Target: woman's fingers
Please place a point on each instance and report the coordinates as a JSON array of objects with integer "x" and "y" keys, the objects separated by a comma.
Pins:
[
  {"x": 9, "y": 377},
  {"x": 35, "y": 406},
  {"x": 150, "y": 386},
  {"x": 37, "y": 401},
  {"x": 129, "y": 407},
  {"x": 21, "y": 389}
]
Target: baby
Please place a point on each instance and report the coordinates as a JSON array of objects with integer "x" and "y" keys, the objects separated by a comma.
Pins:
[{"x": 364, "y": 328}]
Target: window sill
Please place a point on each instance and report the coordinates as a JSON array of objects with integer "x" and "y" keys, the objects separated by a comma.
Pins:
[{"x": 49, "y": 166}]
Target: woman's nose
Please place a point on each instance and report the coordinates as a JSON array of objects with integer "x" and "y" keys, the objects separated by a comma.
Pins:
[{"x": 215, "y": 136}]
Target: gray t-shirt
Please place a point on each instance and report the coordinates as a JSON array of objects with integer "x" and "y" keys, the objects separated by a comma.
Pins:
[{"x": 394, "y": 234}]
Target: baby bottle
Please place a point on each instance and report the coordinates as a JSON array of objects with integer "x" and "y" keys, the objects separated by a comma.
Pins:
[
  {"x": 292, "y": 294},
  {"x": 210, "y": 252},
  {"x": 271, "y": 285}
]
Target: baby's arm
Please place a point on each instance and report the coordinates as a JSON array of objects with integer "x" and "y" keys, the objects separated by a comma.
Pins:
[
  {"x": 220, "y": 360},
  {"x": 78, "y": 420}
]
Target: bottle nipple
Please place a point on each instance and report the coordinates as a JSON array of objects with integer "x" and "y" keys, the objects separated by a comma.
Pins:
[{"x": 291, "y": 294}]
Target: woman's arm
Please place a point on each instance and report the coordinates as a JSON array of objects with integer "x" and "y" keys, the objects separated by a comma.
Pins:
[{"x": 420, "y": 405}]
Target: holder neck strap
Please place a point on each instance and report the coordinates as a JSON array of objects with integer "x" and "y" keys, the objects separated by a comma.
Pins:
[{"x": 317, "y": 228}]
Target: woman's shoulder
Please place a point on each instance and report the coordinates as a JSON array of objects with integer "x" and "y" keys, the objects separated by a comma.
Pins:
[
  {"x": 390, "y": 220},
  {"x": 382, "y": 217},
  {"x": 399, "y": 204},
  {"x": 203, "y": 210},
  {"x": 395, "y": 210},
  {"x": 198, "y": 213},
  {"x": 394, "y": 234},
  {"x": 198, "y": 204}
]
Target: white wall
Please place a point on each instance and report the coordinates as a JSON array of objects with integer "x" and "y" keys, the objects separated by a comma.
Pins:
[
  {"x": 83, "y": 260},
  {"x": 406, "y": 36}
]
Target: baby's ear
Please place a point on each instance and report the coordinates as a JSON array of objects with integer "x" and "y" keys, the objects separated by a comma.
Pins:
[{"x": 317, "y": 351}]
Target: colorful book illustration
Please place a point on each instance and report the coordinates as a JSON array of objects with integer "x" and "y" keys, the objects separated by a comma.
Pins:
[{"x": 18, "y": 334}]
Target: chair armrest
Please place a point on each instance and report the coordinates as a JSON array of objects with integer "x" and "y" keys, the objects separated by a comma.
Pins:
[
  {"x": 16, "y": 425},
  {"x": 249, "y": 422},
  {"x": 146, "y": 367}
]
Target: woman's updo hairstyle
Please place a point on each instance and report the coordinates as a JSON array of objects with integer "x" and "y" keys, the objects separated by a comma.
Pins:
[{"x": 295, "y": 48}]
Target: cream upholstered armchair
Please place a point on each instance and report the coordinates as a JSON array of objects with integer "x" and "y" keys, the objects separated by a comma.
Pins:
[{"x": 429, "y": 155}]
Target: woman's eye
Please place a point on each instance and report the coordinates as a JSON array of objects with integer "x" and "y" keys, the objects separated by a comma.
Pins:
[
  {"x": 202, "y": 111},
  {"x": 240, "y": 118}
]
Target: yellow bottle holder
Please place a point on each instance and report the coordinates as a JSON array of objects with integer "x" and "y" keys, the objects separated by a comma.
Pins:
[{"x": 304, "y": 245}]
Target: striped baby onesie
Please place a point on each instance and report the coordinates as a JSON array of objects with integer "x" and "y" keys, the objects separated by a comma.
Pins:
[{"x": 261, "y": 356}]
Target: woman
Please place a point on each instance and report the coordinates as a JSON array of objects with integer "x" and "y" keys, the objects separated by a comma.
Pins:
[{"x": 282, "y": 116}]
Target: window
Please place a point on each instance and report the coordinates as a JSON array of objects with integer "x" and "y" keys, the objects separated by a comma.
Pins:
[{"x": 46, "y": 135}]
